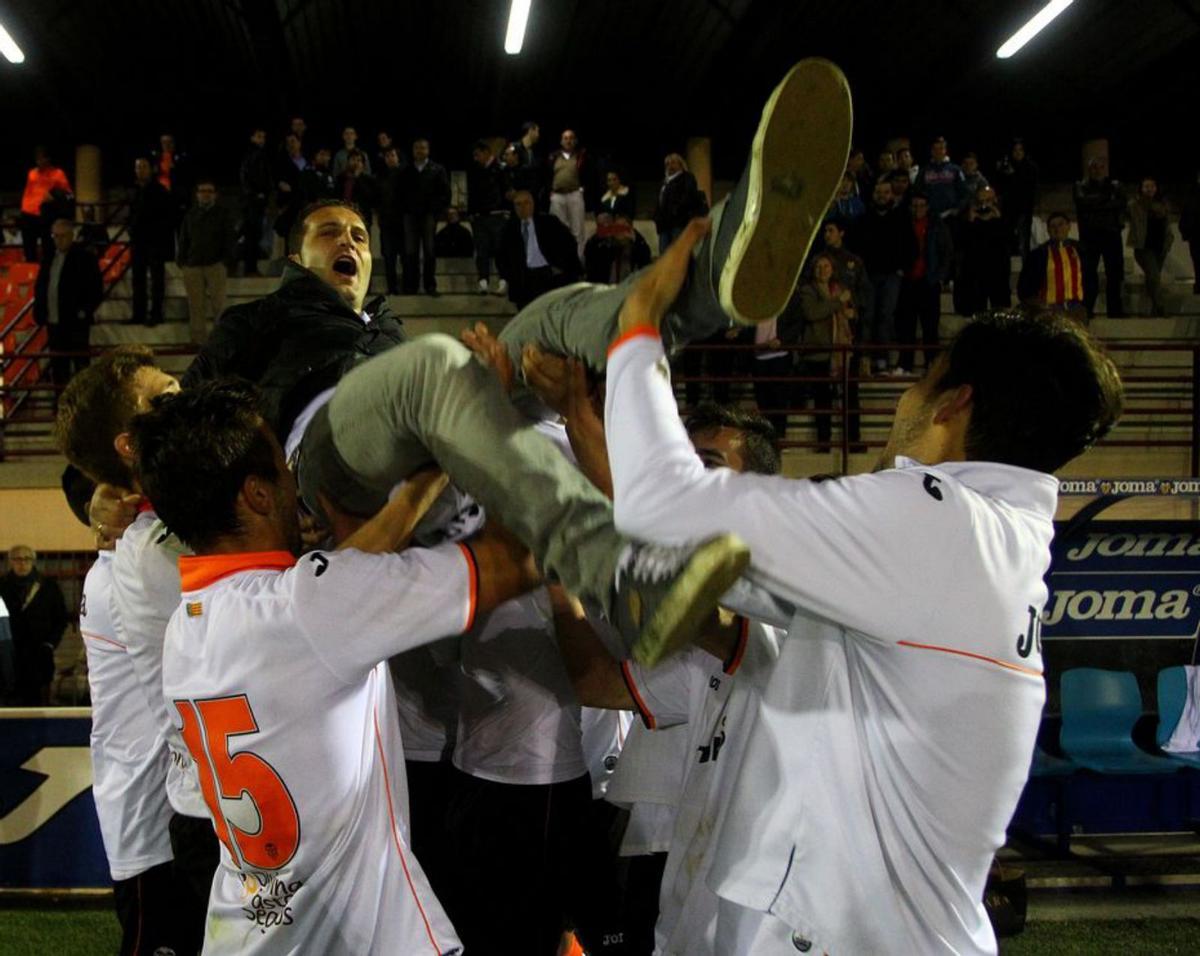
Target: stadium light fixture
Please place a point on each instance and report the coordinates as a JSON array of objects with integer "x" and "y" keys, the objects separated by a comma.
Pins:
[
  {"x": 1036, "y": 24},
  {"x": 8, "y": 46},
  {"x": 518, "y": 16}
]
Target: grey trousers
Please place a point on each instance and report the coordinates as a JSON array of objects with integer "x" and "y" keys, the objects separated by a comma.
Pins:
[
  {"x": 581, "y": 320},
  {"x": 430, "y": 401}
]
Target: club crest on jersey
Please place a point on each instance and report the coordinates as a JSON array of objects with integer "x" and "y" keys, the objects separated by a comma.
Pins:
[{"x": 195, "y": 608}]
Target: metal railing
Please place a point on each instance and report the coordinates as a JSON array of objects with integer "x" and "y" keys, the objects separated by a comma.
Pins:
[{"x": 1158, "y": 396}]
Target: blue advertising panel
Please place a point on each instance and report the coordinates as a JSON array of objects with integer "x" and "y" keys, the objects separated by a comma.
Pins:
[
  {"x": 49, "y": 834},
  {"x": 1121, "y": 580}
]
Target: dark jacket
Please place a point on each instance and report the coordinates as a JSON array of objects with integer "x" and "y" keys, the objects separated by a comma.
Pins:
[
  {"x": 316, "y": 183},
  {"x": 293, "y": 344},
  {"x": 679, "y": 201},
  {"x": 617, "y": 205},
  {"x": 1099, "y": 205},
  {"x": 1016, "y": 182},
  {"x": 486, "y": 186},
  {"x": 553, "y": 238},
  {"x": 600, "y": 254},
  {"x": 453, "y": 241},
  {"x": 363, "y": 192},
  {"x": 37, "y": 619},
  {"x": 425, "y": 192},
  {"x": 79, "y": 288},
  {"x": 885, "y": 242},
  {"x": 255, "y": 174},
  {"x": 206, "y": 236},
  {"x": 151, "y": 218},
  {"x": 390, "y": 187}
]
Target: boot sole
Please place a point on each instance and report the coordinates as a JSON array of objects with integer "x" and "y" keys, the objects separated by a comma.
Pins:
[
  {"x": 796, "y": 163},
  {"x": 712, "y": 570}
]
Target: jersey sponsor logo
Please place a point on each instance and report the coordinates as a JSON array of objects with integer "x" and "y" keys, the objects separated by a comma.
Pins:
[
  {"x": 711, "y": 750},
  {"x": 930, "y": 484},
  {"x": 321, "y": 562},
  {"x": 1125, "y": 579},
  {"x": 1033, "y": 634}
]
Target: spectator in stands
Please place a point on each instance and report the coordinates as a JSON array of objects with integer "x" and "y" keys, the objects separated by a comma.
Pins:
[
  {"x": 93, "y": 235},
  {"x": 37, "y": 617},
  {"x": 391, "y": 216},
  {"x": 616, "y": 251},
  {"x": 618, "y": 198},
  {"x": 899, "y": 180},
  {"x": 829, "y": 315},
  {"x": 41, "y": 181},
  {"x": 341, "y": 159},
  {"x": 356, "y": 185},
  {"x": 887, "y": 245},
  {"x": 985, "y": 276},
  {"x": 488, "y": 209},
  {"x": 254, "y": 174},
  {"x": 67, "y": 293},
  {"x": 847, "y": 206},
  {"x": 426, "y": 195},
  {"x": 537, "y": 252},
  {"x": 680, "y": 200},
  {"x": 864, "y": 178},
  {"x": 885, "y": 165},
  {"x": 288, "y": 168},
  {"x": 453, "y": 240},
  {"x": 316, "y": 179},
  {"x": 297, "y": 127},
  {"x": 1100, "y": 205},
  {"x": 151, "y": 241},
  {"x": 517, "y": 176},
  {"x": 1016, "y": 182},
  {"x": 1189, "y": 230},
  {"x": 904, "y": 161},
  {"x": 921, "y": 290},
  {"x": 849, "y": 270},
  {"x": 173, "y": 169},
  {"x": 565, "y": 167},
  {"x": 1150, "y": 238},
  {"x": 384, "y": 142},
  {"x": 530, "y": 134},
  {"x": 973, "y": 179},
  {"x": 206, "y": 242},
  {"x": 1052, "y": 274},
  {"x": 942, "y": 182}
]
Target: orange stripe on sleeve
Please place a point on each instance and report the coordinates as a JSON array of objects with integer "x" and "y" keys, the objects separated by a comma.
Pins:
[
  {"x": 472, "y": 585},
  {"x": 978, "y": 657},
  {"x": 642, "y": 709},
  {"x": 637, "y": 332}
]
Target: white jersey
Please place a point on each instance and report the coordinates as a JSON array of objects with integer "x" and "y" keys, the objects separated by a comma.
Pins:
[
  {"x": 129, "y": 746},
  {"x": 427, "y": 701},
  {"x": 896, "y": 731},
  {"x": 699, "y": 695},
  {"x": 647, "y": 781},
  {"x": 276, "y": 672},
  {"x": 604, "y": 733},
  {"x": 145, "y": 593},
  {"x": 519, "y": 720}
]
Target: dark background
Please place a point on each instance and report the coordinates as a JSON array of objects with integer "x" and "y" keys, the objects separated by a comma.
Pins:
[{"x": 633, "y": 77}]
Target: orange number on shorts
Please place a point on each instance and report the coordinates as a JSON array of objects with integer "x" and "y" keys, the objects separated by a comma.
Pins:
[{"x": 244, "y": 778}]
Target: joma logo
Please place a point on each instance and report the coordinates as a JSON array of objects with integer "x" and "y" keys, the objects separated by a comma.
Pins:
[
  {"x": 1136, "y": 546},
  {"x": 1125, "y": 605}
]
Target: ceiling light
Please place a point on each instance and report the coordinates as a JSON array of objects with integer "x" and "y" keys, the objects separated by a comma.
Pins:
[
  {"x": 1031, "y": 29},
  {"x": 518, "y": 16},
  {"x": 12, "y": 52}
]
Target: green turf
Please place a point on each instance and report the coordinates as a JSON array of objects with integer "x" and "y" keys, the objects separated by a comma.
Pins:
[
  {"x": 63, "y": 932},
  {"x": 1145, "y": 937}
]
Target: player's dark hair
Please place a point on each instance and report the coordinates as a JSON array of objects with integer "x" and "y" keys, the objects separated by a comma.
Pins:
[
  {"x": 296, "y": 233},
  {"x": 97, "y": 406},
  {"x": 1057, "y": 214},
  {"x": 195, "y": 449},
  {"x": 761, "y": 455},
  {"x": 1043, "y": 390}
]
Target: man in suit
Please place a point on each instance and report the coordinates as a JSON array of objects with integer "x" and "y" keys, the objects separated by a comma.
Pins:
[
  {"x": 68, "y": 291},
  {"x": 537, "y": 252}
]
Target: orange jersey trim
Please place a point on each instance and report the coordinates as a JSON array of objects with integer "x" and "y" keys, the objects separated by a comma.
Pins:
[
  {"x": 201, "y": 571},
  {"x": 91, "y": 635},
  {"x": 642, "y": 709},
  {"x": 472, "y": 585},
  {"x": 979, "y": 657},
  {"x": 739, "y": 650},
  {"x": 637, "y": 332},
  {"x": 387, "y": 786}
]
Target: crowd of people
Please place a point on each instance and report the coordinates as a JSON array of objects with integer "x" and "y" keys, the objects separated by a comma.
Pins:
[{"x": 368, "y": 609}]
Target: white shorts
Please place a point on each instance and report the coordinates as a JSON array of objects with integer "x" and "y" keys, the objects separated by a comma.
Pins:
[{"x": 741, "y": 931}]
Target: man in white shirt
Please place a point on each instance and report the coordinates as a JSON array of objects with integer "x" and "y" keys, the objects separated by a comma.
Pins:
[
  {"x": 896, "y": 730},
  {"x": 276, "y": 670}
]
